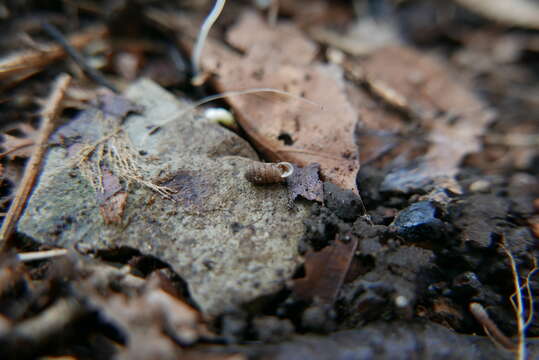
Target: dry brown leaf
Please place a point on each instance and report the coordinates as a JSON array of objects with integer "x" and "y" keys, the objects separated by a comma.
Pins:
[
  {"x": 326, "y": 270},
  {"x": 111, "y": 186},
  {"x": 19, "y": 146},
  {"x": 112, "y": 210},
  {"x": 450, "y": 118},
  {"x": 379, "y": 131},
  {"x": 284, "y": 128},
  {"x": 418, "y": 84},
  {"x": 362, "y": 38}
]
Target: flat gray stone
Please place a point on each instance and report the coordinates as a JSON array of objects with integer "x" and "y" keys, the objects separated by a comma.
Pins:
[{"x": 230, "y": 240}]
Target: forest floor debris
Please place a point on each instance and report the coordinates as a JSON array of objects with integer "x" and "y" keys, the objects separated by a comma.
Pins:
[{"x": 408, "y": 227}]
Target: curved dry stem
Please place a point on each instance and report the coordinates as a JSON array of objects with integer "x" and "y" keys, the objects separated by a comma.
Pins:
[
  {"x": 519, "y": 308},
  {"x": 228, "y": 94},
  {"x": 49, "y": 115},
  {"x": 203, "y": 34},
  {"x": 529, "y": 293}
]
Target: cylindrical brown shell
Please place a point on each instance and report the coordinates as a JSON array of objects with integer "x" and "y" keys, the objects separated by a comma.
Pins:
[{"x": 268, "y": 173}]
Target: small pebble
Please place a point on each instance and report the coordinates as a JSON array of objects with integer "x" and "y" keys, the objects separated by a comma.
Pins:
[
  {"x": 419, "y": 222},
  {"x": 480, "y": 186},
  {"x": 335, "y": 56},
  {"x": 401, "y": 301}
]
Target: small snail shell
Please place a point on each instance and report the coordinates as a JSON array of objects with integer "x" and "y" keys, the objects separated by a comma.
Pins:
[{"x": 269, "y": 173}]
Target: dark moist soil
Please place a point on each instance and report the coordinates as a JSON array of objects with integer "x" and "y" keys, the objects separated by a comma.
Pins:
[
  {"x": 417, "y": 264},
  {"x": 417, "y": 267}
]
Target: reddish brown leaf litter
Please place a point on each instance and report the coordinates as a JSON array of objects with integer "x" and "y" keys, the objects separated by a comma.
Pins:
[
  {"x": 437, "y": 103},
  {"x": 326, "y": 270},
  {"x": 112, "y": 199},
  {"x": 112, "y": 210}
]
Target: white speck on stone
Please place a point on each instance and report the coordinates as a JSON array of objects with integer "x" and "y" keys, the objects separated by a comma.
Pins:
[{"x": 401, "y": 301}]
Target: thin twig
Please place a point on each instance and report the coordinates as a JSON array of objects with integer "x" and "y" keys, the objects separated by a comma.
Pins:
[
  {"x": 40, "y": 255},
  {"x": 16, "y": 148},
  {"x": 92, "y": 73},
  {"x": 49, "y": 115},
  {"x": 203, "y": 34},
  {"x": 33, "y": 60}
]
